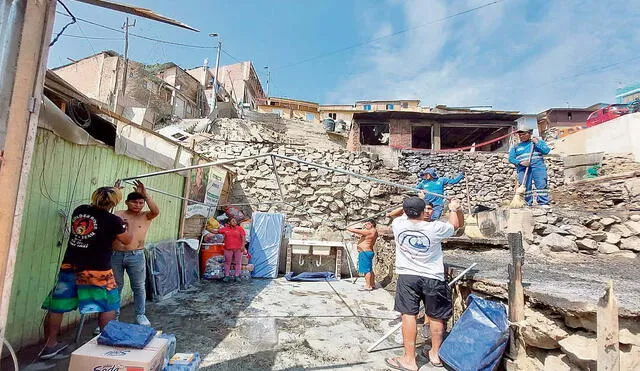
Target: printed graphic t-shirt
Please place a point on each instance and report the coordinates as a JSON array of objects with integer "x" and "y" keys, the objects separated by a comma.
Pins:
[
  {"x": 419, "y": 248},
  {"x": 93, "y": 231},
  {"x": 233, "y": 237}
]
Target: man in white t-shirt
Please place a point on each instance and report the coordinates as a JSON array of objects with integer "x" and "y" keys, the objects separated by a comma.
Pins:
[{"x": 420, "y": 269}]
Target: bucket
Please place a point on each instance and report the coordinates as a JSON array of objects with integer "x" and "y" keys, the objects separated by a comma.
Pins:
[
  {"x": 328, "y": 124},
  {"x": 207, "y": 252}
]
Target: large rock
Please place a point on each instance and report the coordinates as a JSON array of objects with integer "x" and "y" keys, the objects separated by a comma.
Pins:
[
  {"x": 556, "y": 242},
  {"x": 579, "y": 230},
  {"x": 581, "y": 348},
  {"x": 612, "y": 238},
  {"x": 587, "y": 244},
  {"x": 607, "y": 221},
  {"x": 622, "y": 230},
  {"x": 598, "y": 236},
  {"x": 627, "y": 337},
  {"x": 585, "y": 321},
  {"x": 607, "y": 248},
  {"x": 627, "y": 254},
  {"x": 633, "y": 226},
  {"x": 541, "y": 331},
  {"x": 629, "y": 357},
  {"x": 558, "y": 362},
  {"x": 550, "y": 228},
  {"x": 635, "y": 217},
  {"x": 632, "y": 243}
]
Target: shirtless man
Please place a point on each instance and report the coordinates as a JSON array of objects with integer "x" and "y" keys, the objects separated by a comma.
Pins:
[
  {"x": 130, "y": 257},
  {"x": 368, "y": 237}
]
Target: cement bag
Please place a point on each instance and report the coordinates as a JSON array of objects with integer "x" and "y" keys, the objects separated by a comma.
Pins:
[
  {"x": 120, "y": 334},
  {"x": 479, "y": 338}
]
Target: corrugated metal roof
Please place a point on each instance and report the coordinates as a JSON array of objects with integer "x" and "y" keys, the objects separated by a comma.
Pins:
[
  {"x": 140, "y": 12},
  {"x": 408, "y": 115}
]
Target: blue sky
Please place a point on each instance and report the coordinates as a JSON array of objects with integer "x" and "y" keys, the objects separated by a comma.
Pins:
[{"x": 525, "y": 55}]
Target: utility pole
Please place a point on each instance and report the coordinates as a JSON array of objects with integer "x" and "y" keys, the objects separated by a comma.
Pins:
[
  {"x": 215, "y": 78},
  {"x": 125, "y": 27},
  {"x": 24, "y": 62},
  {"x": 268, "y": 79}
]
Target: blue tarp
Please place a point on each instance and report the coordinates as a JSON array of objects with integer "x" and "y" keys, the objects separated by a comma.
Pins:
[
  {"x": 120, "y": 334},
  {"x": 311, "y": 276},
  {"x": 264, "y": 246},
  {"x": 479, "y": 338}
]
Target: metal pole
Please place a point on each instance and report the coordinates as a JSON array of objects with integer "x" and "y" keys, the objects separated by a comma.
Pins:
[
  {"x": 215, "y": 78},
  {"x": 126, "y": 54},
  {"x": 215, "y": 163},
  {"x": 342, "y": 171},
  {"x": 171, "y": 195},
  {"x": 268, "y": 79},
  {"x": 397, "y": 327}
]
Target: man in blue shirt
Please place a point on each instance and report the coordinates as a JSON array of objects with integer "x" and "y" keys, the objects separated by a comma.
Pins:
[
  {"x": 430, "y": 182},
  {"x": 519, "y": 156}
]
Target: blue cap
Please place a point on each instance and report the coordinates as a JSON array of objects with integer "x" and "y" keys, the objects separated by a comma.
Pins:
[{"x": 431, "y": 171}]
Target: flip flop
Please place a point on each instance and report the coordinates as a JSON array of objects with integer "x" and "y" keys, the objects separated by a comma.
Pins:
[
  {"x": 425, "y": 352},
  {"x": 394, "y": 363},
  {"x": 363, "y": 289}
]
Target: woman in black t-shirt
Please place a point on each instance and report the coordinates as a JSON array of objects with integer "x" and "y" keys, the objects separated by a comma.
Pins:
[{"x": 85, "y": 280}]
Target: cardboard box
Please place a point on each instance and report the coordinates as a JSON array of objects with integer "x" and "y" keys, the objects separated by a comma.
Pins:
[{"x": 95, "y": 357}]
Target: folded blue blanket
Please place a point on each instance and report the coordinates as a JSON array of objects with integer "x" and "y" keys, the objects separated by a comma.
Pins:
[{"x": 120, "y": 334}]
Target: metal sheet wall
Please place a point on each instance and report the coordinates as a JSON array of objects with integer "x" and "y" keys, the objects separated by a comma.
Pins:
[{"x": 63, "y": 175}]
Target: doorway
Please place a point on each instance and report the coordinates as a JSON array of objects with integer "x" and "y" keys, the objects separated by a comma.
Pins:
[{"x": 421, "y": 137}]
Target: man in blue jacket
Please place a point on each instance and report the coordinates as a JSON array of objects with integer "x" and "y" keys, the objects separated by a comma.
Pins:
[
  {"x": 519, "y": 156},
  {"x": 430, "y": 182}
]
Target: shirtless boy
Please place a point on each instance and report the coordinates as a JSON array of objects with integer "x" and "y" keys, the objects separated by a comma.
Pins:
[
  {"x": 368, "y": 237},
  {"x": 130, "y": 257}
]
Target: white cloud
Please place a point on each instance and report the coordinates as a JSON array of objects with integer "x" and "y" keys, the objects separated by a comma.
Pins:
[{"x": 505, "y": 55}]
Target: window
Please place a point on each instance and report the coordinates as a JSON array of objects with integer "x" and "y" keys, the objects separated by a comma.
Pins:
[
  {"x": 389, "y": 106},
  {"x": 374, "y": 134},
  {"x": 421, "y": 137},
  {"x": 310, "y": 117},
  {"x": 333, "y": 115},
  {"x": 405, "y": 105},
  {"x": 367, "y": 107},
  {"x": 569, "y": 116}
]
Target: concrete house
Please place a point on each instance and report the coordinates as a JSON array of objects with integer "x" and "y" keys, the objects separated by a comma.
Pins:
[
  {"x": 241, "y": 81},
  {"x": 565, "y": 120},
  {"x": 153, "y": 95},
  {"x": 388, "y": 132},
  {"x": 290, "y": 108},
  {"x": 345, "y": 112}
]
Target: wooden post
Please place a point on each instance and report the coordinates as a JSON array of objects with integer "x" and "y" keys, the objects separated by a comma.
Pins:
[
  {"x": 607, "y": 329},
  {"x": 25, "y": 95},
  {"x": 516, "y": 295}
]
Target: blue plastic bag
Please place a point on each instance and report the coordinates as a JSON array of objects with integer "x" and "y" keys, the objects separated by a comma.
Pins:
[
  {"x": 119, "y": 334},
  {"x": 479, "y": 338}
]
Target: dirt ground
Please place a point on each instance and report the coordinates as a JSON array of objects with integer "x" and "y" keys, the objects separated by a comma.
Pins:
[{"x": 269, "y": 325}]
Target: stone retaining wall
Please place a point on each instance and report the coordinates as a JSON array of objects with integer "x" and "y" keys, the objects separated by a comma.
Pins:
[
  {"x": 491, "y": 178},
  {"x": 560, "y": 230}
]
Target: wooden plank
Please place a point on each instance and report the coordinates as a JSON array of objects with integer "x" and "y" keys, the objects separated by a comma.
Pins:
[
  {"x": 607, "y": 330},
  {"x": 516, "y": 296}
]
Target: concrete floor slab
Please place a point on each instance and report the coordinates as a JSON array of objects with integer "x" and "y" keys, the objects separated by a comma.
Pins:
[{"x": 270, "y": 325}]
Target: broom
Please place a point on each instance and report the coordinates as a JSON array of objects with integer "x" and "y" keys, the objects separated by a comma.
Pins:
[{"x": 518, "y": 198}]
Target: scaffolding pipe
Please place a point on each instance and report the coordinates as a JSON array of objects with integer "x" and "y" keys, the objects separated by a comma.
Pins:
[
  {"x": 181, "y": 169},
  {"x": 171, "y": 195},
  {"x": 293, "y": 159}
]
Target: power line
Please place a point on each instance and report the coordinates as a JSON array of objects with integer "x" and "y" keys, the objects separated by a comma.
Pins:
[
  {"x": 92, "y": 37},
  {"x": 371, "y": 41},
  {"x": 232, "y": 57},
  {"x": 141, "y": 36}
]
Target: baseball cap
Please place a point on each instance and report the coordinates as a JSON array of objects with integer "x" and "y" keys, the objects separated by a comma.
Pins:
[{"x": 413, "y": 207}]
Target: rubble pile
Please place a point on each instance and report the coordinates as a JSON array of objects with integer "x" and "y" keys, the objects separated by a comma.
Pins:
[
  {"x": 492, "y": 179},
  {"x": 618, "y": 191},
  {"x": 558, "y": 230},
  {"x": 617, "y": 163}
]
